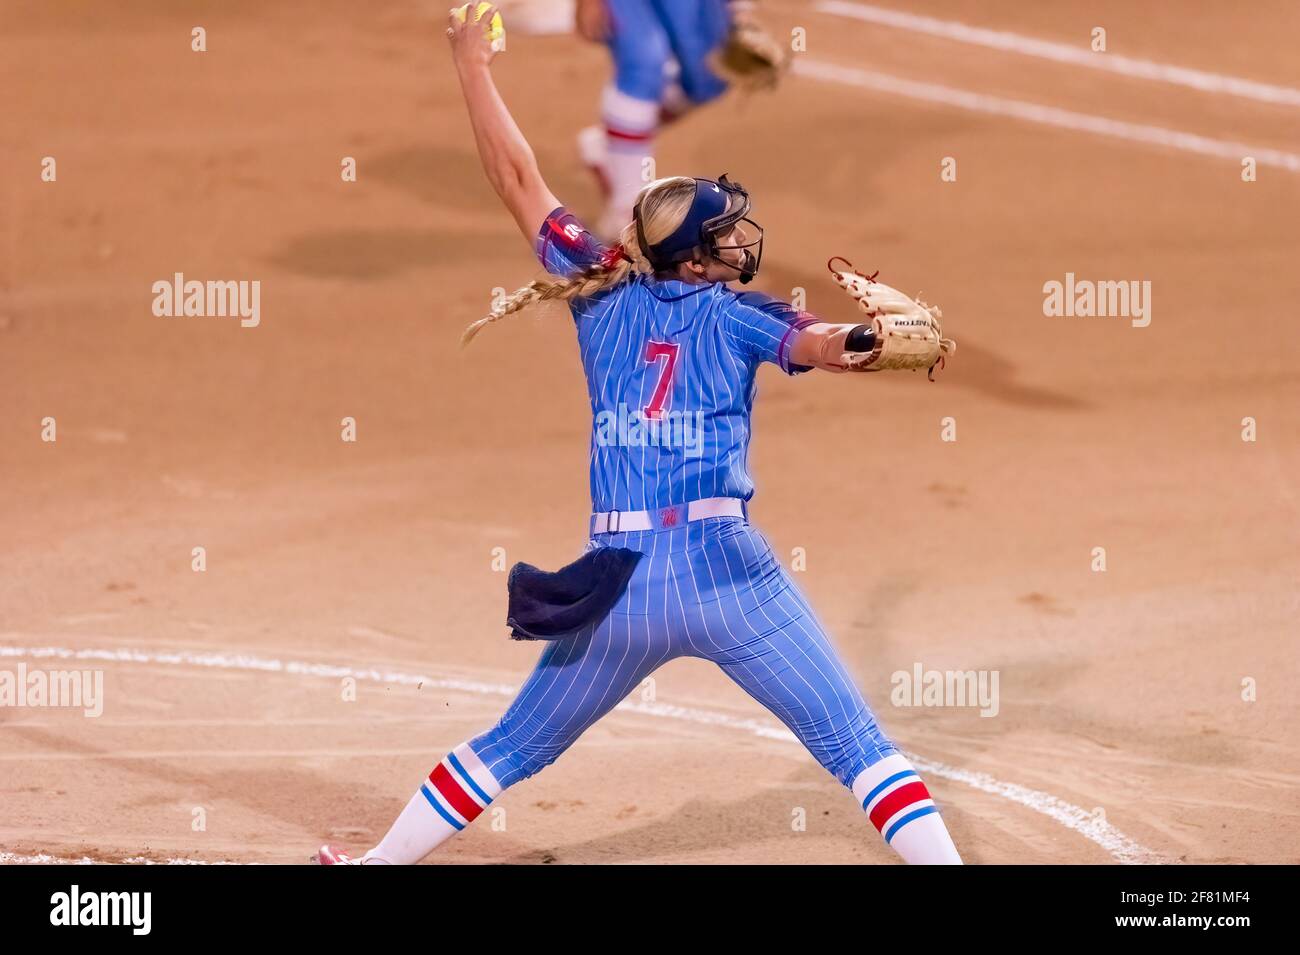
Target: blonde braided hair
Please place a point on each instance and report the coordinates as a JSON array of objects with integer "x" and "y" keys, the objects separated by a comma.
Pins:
[{"x": 664, "y": 205}]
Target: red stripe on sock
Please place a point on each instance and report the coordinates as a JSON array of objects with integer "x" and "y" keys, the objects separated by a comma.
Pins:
[
  {"x": 900, "y": 798},
  {"x": 632, "y": 137},
  {"x": 451, "y": 791}
]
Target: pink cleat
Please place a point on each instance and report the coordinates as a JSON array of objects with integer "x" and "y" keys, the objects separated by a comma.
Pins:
[{"x": 328, "y": 855}]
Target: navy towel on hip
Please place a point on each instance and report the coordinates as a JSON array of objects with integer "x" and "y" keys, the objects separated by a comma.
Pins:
[{"x": 549, "y": 605}]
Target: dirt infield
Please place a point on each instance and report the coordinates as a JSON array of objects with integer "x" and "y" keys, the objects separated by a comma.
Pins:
[{"x": 1125, "y": 729}]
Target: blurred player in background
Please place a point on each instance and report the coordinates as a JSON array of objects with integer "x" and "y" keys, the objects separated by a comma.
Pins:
[{"x": 670, "y": 56}]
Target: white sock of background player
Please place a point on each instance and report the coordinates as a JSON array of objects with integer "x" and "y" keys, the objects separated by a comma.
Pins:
[
  {"x": 455, "y": 793},
  {"x": 900, "y": 806},
  {"x": 630, "y": 127}
]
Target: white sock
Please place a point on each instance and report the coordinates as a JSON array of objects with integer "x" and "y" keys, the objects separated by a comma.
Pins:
[
  {"x": 456, "y": 792},
  {"x": 630, "y": 126},
  {"x": 900, "y": 806}
]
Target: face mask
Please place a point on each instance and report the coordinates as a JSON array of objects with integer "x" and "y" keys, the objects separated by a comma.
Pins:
[{"x": 749, "y": 261}]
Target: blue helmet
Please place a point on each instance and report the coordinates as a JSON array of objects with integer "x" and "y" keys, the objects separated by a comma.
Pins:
[{"x": 718, "y": 205}]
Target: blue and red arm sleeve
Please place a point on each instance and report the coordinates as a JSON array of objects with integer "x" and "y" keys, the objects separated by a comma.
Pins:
[{"x": 565, "y": 247}]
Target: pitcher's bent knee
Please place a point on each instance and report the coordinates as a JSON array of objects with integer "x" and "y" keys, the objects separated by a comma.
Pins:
[
  {"x": 511, "y": 757},
  {"x": 845, "y": 751}
]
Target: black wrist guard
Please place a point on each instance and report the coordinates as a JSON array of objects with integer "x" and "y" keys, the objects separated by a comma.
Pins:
[{"x": 861, "y": 338}]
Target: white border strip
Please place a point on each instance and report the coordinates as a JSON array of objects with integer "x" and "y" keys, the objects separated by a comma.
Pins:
[
  {"x": 1044, "y": 115},
  {"x": 1065, "y": 53},
  {"x": 1119, "y": 846}
]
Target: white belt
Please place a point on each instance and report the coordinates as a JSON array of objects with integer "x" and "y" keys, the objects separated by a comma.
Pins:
[{"x": 614, "y": 522}]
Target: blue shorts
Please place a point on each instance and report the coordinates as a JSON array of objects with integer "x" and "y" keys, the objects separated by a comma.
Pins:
[
  {"x": 646, "y": 34},
  {"x": 712, "y": 589}
]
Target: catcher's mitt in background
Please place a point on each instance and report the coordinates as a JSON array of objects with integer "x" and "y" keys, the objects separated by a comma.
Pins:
[
  {"x": 908, "y": 332},
  {"x": 751, "y": 58}
]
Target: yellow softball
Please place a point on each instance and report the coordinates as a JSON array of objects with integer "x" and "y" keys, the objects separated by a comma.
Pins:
[{"x": 496, "y": 29}]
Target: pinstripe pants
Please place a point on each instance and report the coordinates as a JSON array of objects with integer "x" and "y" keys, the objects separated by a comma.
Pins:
[{"x": 711, "y": 589}]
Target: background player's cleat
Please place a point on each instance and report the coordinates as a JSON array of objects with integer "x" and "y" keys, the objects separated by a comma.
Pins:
[
  {"x": 539, "y": 17},
  {"x": 328, "y": 855},
  {"x": 591, "y": 149}
]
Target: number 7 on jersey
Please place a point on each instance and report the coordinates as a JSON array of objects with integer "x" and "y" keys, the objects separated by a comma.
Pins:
[{"x": 653, "y": 352}]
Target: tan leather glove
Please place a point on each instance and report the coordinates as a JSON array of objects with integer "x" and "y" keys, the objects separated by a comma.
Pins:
[
  {"x": 908, "y": 331},
  {"x": 751, "y": 58}
]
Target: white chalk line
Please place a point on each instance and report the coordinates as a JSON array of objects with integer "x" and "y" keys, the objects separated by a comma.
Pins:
[
  {"x": 1045, "y": 115},
  {"x": 1087, "y": 824},
  {"x": 1081, "y": 55},
  {"x": 41, "y": 858}
]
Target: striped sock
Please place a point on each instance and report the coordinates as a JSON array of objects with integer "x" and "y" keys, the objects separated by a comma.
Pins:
[
  {"x": 900, "y": 807},
  {"x": 630, "y": 126},
  {"x": 456, "y": 792}
]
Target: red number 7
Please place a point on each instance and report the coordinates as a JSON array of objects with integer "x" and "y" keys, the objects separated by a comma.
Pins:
[{"x": 653, "y": 352}]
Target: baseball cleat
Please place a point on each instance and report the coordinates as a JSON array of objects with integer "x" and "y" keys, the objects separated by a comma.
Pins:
[
  {"x": 539, "y": 17},
  {"x": 328, "y": 855},
  {"x": 591, "y": 149}
]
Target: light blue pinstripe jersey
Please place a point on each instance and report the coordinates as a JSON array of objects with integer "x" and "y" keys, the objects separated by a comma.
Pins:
[{"x": 671, "y": 373}]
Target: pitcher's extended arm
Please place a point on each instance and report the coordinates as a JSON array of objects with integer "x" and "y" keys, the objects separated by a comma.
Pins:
[{"x": 507, "y": 158}]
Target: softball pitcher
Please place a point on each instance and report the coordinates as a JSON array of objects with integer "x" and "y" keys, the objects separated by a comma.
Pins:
[
  {"x": 670, "y": 56},
  {"x": 673, "y": 566}
]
